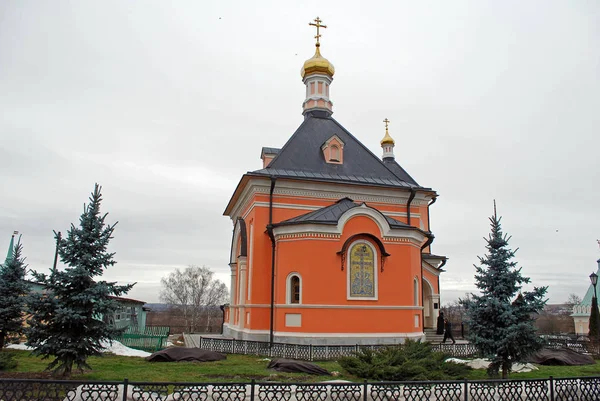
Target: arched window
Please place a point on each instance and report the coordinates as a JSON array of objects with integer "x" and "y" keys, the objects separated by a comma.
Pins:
[
  {"x": 362, "y": 271},
  {"x": 335, "y": 153},
  {"x": 294, "y": 289},
  {"x": 416, "y": 292}
]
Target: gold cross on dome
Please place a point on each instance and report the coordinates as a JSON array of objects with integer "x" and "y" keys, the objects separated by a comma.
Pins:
[
  {"x": 318, "y": 24},
  {"x": 386, "y": 121}
]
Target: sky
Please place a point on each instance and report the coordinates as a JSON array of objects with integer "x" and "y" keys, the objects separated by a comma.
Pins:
[{"x": 167, "y": 104}]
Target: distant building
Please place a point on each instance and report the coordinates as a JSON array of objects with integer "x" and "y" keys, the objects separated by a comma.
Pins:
[
  {"x": 131, "y": 312},
  {"x": 581, "y": 312}
]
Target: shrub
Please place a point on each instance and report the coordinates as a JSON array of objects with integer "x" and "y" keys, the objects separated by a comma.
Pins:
[
  {"x": 411, "y": 361},
  {"x": 7, "y": 360}
]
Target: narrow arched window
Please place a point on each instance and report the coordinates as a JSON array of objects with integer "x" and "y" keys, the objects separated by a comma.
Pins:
[
  {"x": 294, "y": 289},
  {"x": 416, "y": 292}
]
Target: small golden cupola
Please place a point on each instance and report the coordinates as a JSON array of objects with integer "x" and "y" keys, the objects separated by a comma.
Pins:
[
  {"x": 387, "y": 143},
  {"x": 317, "y": 74}
]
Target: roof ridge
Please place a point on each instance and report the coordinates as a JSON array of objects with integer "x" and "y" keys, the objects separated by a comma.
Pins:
[
  {"x": 373, "y": 154},
  {"x": 403, "y": 170}
]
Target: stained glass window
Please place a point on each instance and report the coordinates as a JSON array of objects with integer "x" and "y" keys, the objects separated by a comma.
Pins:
[{"x": 362, "y": 271}]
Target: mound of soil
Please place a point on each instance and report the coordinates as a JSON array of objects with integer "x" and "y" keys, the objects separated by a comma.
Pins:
[
  {"x": 292, "y": 366},
  {"x": 562, "y": 356}
]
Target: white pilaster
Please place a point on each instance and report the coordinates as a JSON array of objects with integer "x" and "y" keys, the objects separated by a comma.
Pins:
[
  {"x": 232, "y": 290},
  {"x": 242, "y": 291}
]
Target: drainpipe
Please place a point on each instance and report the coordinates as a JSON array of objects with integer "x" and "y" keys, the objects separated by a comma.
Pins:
[
  {"x": 430, "y": 203},
  {"x": 410, "y": 199},
  {"x": 430, "y": 238},
  {"x": 272, "y": 237},
  {"x": 444, "y": 262},
  {"x": 438, "y": 280}
]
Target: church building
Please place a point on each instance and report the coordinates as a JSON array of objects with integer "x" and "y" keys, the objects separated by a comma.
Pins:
[
  {"x": 583, "y": 310},
  {"x": 331, "y": 244}
]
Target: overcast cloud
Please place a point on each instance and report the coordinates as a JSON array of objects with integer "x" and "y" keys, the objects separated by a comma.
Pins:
[{"x": 167, "y": 104}]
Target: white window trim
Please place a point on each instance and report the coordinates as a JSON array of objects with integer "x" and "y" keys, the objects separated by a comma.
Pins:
[
  {"x": 375, "y": 272},
  {"x": 288, "y": 288}
]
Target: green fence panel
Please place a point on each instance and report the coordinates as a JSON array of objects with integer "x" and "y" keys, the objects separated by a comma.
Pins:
[{"x": 152, "y": 339}]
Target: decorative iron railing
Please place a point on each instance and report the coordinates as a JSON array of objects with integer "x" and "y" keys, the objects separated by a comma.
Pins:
[
  {"x": 309, "y": 352},
  {"x": 551, "y": 389},
  {"x": 581, "y": 344},
  {"x": 305, "y": 352}
]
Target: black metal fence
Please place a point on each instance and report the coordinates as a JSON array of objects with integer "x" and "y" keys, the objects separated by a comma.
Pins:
[
  {"x": 310, "y": 352},
  {"x": 307, "y": 352},
  {"x": 581, "y": 344},
  {"x": 551, "y": 389}
]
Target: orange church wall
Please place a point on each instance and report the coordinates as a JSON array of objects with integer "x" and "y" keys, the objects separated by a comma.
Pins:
[
  {"x": 261, "y": 242},
  {"x": 348, "y": 320},
  {"x": 323, "y": 281},
  {"x": 260, "y": 319},
  {"x": 319, "y": 202}
]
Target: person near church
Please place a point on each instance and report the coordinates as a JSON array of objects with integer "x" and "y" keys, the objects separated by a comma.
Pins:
[
  {"x": 440, "y": 324},
  {"x": 448, "y": 332}
]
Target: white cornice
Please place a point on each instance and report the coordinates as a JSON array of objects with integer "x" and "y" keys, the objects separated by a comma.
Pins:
[
  {"x": 301, "y": 206},
  {"x": 329, "y": 191},
  {"x": 385, "y": 230},
  {"x": 430, "y": 269}
]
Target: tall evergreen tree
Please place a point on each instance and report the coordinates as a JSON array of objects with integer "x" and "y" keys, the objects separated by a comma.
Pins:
[
  {"x": 13, "y": 291},
  {"x": 501, "y": 318},
  {"x": 66, "y": 321}
]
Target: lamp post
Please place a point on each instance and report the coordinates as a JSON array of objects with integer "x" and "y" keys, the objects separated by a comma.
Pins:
[{"x": 594, "y": 313}]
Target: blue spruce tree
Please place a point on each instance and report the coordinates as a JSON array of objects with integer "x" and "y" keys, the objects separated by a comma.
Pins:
[
  {"x": 66, "y": 321},
  {"x": 13, "y": 291},
  {"x": 501, "y": 319}
]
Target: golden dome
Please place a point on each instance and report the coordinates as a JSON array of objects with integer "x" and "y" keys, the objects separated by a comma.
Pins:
[
  {"x": 387, "y": 139},
  {"x": 317, "y": 64}
]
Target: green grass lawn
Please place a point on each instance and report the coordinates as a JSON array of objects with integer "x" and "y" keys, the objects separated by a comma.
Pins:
[{"x": 236, "y": 368}]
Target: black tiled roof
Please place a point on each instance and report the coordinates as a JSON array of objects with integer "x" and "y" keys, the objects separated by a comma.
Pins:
[
  {"x": 270, "y": 151},
  {"x": 432, "y": 256},
  {"x": 332, "y": 177},
  {"x": 331, "y": 215},
  {"x": 302, "y": 157}
]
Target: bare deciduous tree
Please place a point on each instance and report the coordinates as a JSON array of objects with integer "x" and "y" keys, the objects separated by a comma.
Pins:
[
  {"x": 573, "y": 300},
  {"x": 195, "y": 292}
]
